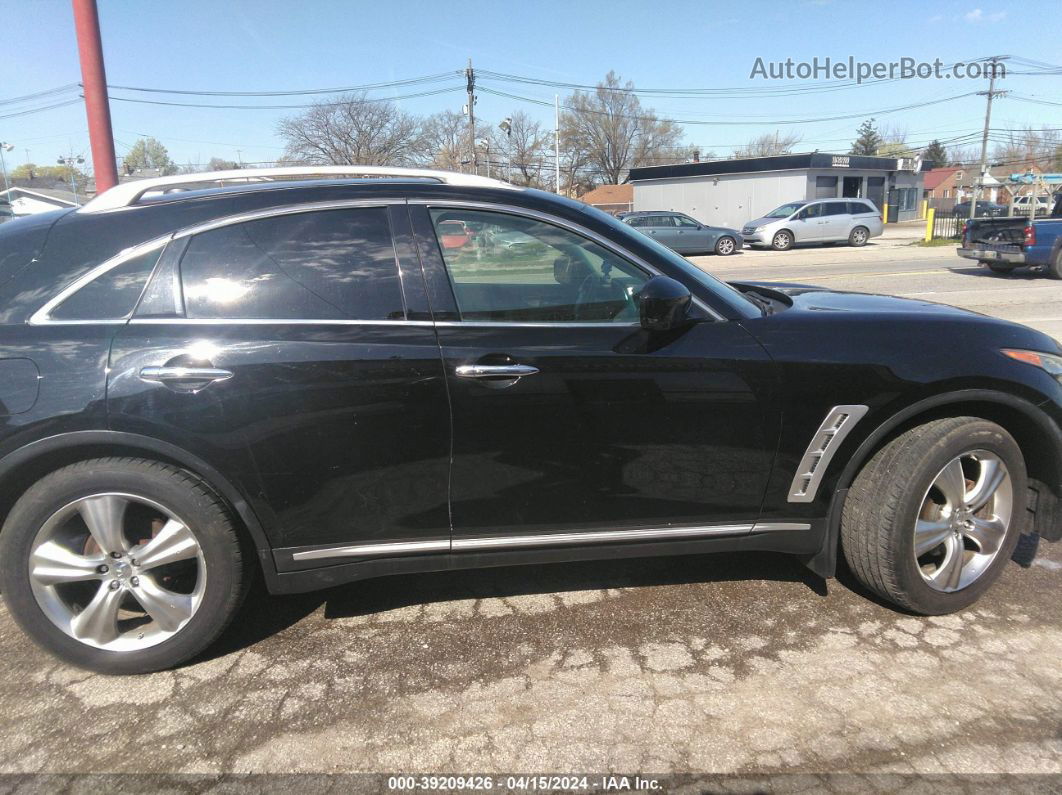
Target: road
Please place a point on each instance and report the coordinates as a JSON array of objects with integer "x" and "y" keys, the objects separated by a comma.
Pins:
[{"x": 733, "y": 663}]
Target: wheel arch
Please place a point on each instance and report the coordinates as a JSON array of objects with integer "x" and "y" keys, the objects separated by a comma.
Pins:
[
  {"x": 24, "y": 466},
  {"x": 1037, "y": 435}
]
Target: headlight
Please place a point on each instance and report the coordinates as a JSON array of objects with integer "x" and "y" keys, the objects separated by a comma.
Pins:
[{"x": 1045, "y": 361}]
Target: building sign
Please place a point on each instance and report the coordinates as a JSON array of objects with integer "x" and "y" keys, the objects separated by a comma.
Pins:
[{"x": 840, "y": 161}]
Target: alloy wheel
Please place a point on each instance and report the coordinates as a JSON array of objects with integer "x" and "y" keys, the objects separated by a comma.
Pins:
[
  {"x": 725, "y": 246},
  {"x": 963, "y": 521},
  {"x": 116, "y": 571},
  {"x": 859, "y": 237}
]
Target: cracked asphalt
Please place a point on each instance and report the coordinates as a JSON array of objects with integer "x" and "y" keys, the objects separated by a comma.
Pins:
[{"x": 733, "y": 663}]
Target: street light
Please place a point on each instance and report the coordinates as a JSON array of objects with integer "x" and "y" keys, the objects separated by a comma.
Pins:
[
  {"x": 506, "y": 126},
  {"x": 5, "y": 147},
  {"x": 485, "y": 145},
  {"x": 71, "y": 162}
]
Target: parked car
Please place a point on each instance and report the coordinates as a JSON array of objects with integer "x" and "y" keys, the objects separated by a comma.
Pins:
[
  {"x": 984, "y": 210},
  {"x": 297, "y": 380},
  {"x": 683, "y": 234},
  {"x": 818, "y": 221},
  {"x": 454, "y": 234},
  {"x": 1020, "y": 206},
  {"x": 1005, "y": 244}
]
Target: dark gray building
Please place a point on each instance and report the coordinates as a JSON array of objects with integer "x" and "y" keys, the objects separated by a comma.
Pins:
[{"x": 731, "y": 192}]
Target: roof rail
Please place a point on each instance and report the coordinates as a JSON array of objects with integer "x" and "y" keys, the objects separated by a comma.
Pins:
[{"x": 127, "y": 194}]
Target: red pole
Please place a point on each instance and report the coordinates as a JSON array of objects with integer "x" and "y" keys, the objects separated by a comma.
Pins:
[{"x": 94, "y": 80}]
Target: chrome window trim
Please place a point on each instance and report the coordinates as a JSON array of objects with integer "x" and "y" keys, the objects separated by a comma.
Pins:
[
  {"x": 600, "y": 240},
  {"x": 255, "y": 321},
  {"x": 42, "y": 317},
  {"x": 283, "y": 209},
  {"x": 589, "y": 537},
  {"x": 821, "y": 449}
]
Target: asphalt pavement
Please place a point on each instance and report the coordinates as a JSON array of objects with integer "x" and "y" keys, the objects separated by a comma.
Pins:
[{"x": 734, "y": 663}]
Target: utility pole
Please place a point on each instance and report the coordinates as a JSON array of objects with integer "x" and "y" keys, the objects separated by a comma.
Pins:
[
  {"x": 556, "y": 143},
  {"x": 994, "y": 61},
  {"x": 470, "y": 82},
  {"x": 94, "y": 80}
]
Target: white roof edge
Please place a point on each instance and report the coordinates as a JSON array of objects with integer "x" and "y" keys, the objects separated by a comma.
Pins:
[{"x": 127, "y": 193}]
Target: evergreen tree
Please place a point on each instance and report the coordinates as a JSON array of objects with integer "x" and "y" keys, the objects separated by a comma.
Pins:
[
  {"x": 935, "y": 153},
  {"x": 868, "y": 139}
]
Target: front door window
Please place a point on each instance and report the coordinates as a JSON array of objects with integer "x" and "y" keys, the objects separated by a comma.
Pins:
[{"x": 515, "y": 269}]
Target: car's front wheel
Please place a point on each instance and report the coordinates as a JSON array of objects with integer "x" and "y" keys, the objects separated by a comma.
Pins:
[
  {"x": 782, "y": 240},
  {"x": 933, "y": 517},
  {"x": 122, "y": 565},
  {"x": 725, "y": 246}
]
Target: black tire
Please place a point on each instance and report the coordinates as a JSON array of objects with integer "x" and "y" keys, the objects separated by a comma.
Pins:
[
  {"x": 782, "y": 240},
  {"x": 228, "y": 562},
  {"x": 1054, "y": 270},
  {"x": 725, "y": 246},
  {"x": 877, "y": 524},
  {"x": 858, "y": 237}
]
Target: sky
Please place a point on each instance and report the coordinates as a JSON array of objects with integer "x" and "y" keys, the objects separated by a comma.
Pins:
[{"x": 267, "y": 45}]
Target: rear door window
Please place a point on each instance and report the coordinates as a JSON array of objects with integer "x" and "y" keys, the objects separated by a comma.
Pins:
[
  {"x": 112, "y": 295},
  {"x": 836, "y": 208},
  {"x": 326, "y": 265}
]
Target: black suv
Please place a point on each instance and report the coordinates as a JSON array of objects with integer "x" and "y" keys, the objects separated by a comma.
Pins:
[{"x": 329, "y": 379}]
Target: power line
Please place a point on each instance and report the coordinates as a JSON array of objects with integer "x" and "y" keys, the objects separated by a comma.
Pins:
[
  {"x": 431, "y": 93},
  {"x": 31, "y": 111},
  {"x": 298, "y": 92}
]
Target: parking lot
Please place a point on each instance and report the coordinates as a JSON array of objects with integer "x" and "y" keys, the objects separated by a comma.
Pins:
[{"x": 733, "y": 663}]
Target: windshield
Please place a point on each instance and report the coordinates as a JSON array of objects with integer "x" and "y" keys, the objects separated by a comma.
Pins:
[{"x": 785, "y": 210}]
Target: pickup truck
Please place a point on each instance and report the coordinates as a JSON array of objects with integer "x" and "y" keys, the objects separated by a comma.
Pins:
[{"x": 1003, "y": 244}]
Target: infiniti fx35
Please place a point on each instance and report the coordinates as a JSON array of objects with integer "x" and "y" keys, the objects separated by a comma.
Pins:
[{"x": 318, "y": 380}]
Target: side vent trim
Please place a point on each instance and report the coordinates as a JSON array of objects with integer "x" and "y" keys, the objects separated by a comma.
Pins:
[{"x": 827, "y": 439}]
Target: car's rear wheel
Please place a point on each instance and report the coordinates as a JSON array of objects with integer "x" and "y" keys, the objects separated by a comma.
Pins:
[
  {"x": 122, "y": 565},
  {"x": 1054, "y": 270},
  {"x": 933, "y": 517},
  {"x": 725, "y": 246},
  {"x": 858, "y": 236},
  {"x": 782, "y": 240}
]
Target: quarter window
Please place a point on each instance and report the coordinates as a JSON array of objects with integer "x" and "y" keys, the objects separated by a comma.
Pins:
[
  {"x": 334, "y": 264},
  {"x": 112, "y": 295},
  {"x": 517, "y": 269}
]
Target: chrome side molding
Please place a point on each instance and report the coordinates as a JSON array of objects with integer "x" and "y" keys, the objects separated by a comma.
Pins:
[
  {"x": 489, "y": 543},
  {"x": 838, "y": 424}
]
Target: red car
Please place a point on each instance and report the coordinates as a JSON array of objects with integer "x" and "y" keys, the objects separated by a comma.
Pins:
[{"x": 454, "y": 234}]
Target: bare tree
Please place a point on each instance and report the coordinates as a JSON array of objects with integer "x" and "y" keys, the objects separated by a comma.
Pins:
[
  {"x": 353, "y": 131},
  {"x": 1028, "y": 147},
  {"x": 528, "y": 147},
  {"x": 769, "y": 144},
  {"x": 611, "y": 132}
]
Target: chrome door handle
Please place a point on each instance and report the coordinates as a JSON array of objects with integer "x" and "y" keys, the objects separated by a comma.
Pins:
[
  {"x": 495, "y": 370},
  {"x": 190, "y": 379}
]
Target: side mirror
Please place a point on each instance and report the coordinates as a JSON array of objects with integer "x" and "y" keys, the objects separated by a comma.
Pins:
[{"x": 663, "y": 304}]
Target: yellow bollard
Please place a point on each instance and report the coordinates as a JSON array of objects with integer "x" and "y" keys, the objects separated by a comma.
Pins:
[
  {"x": 885, "y": 214},
  {"x": 930, "y": 213},
  {"x": 925, "y": 208}
]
